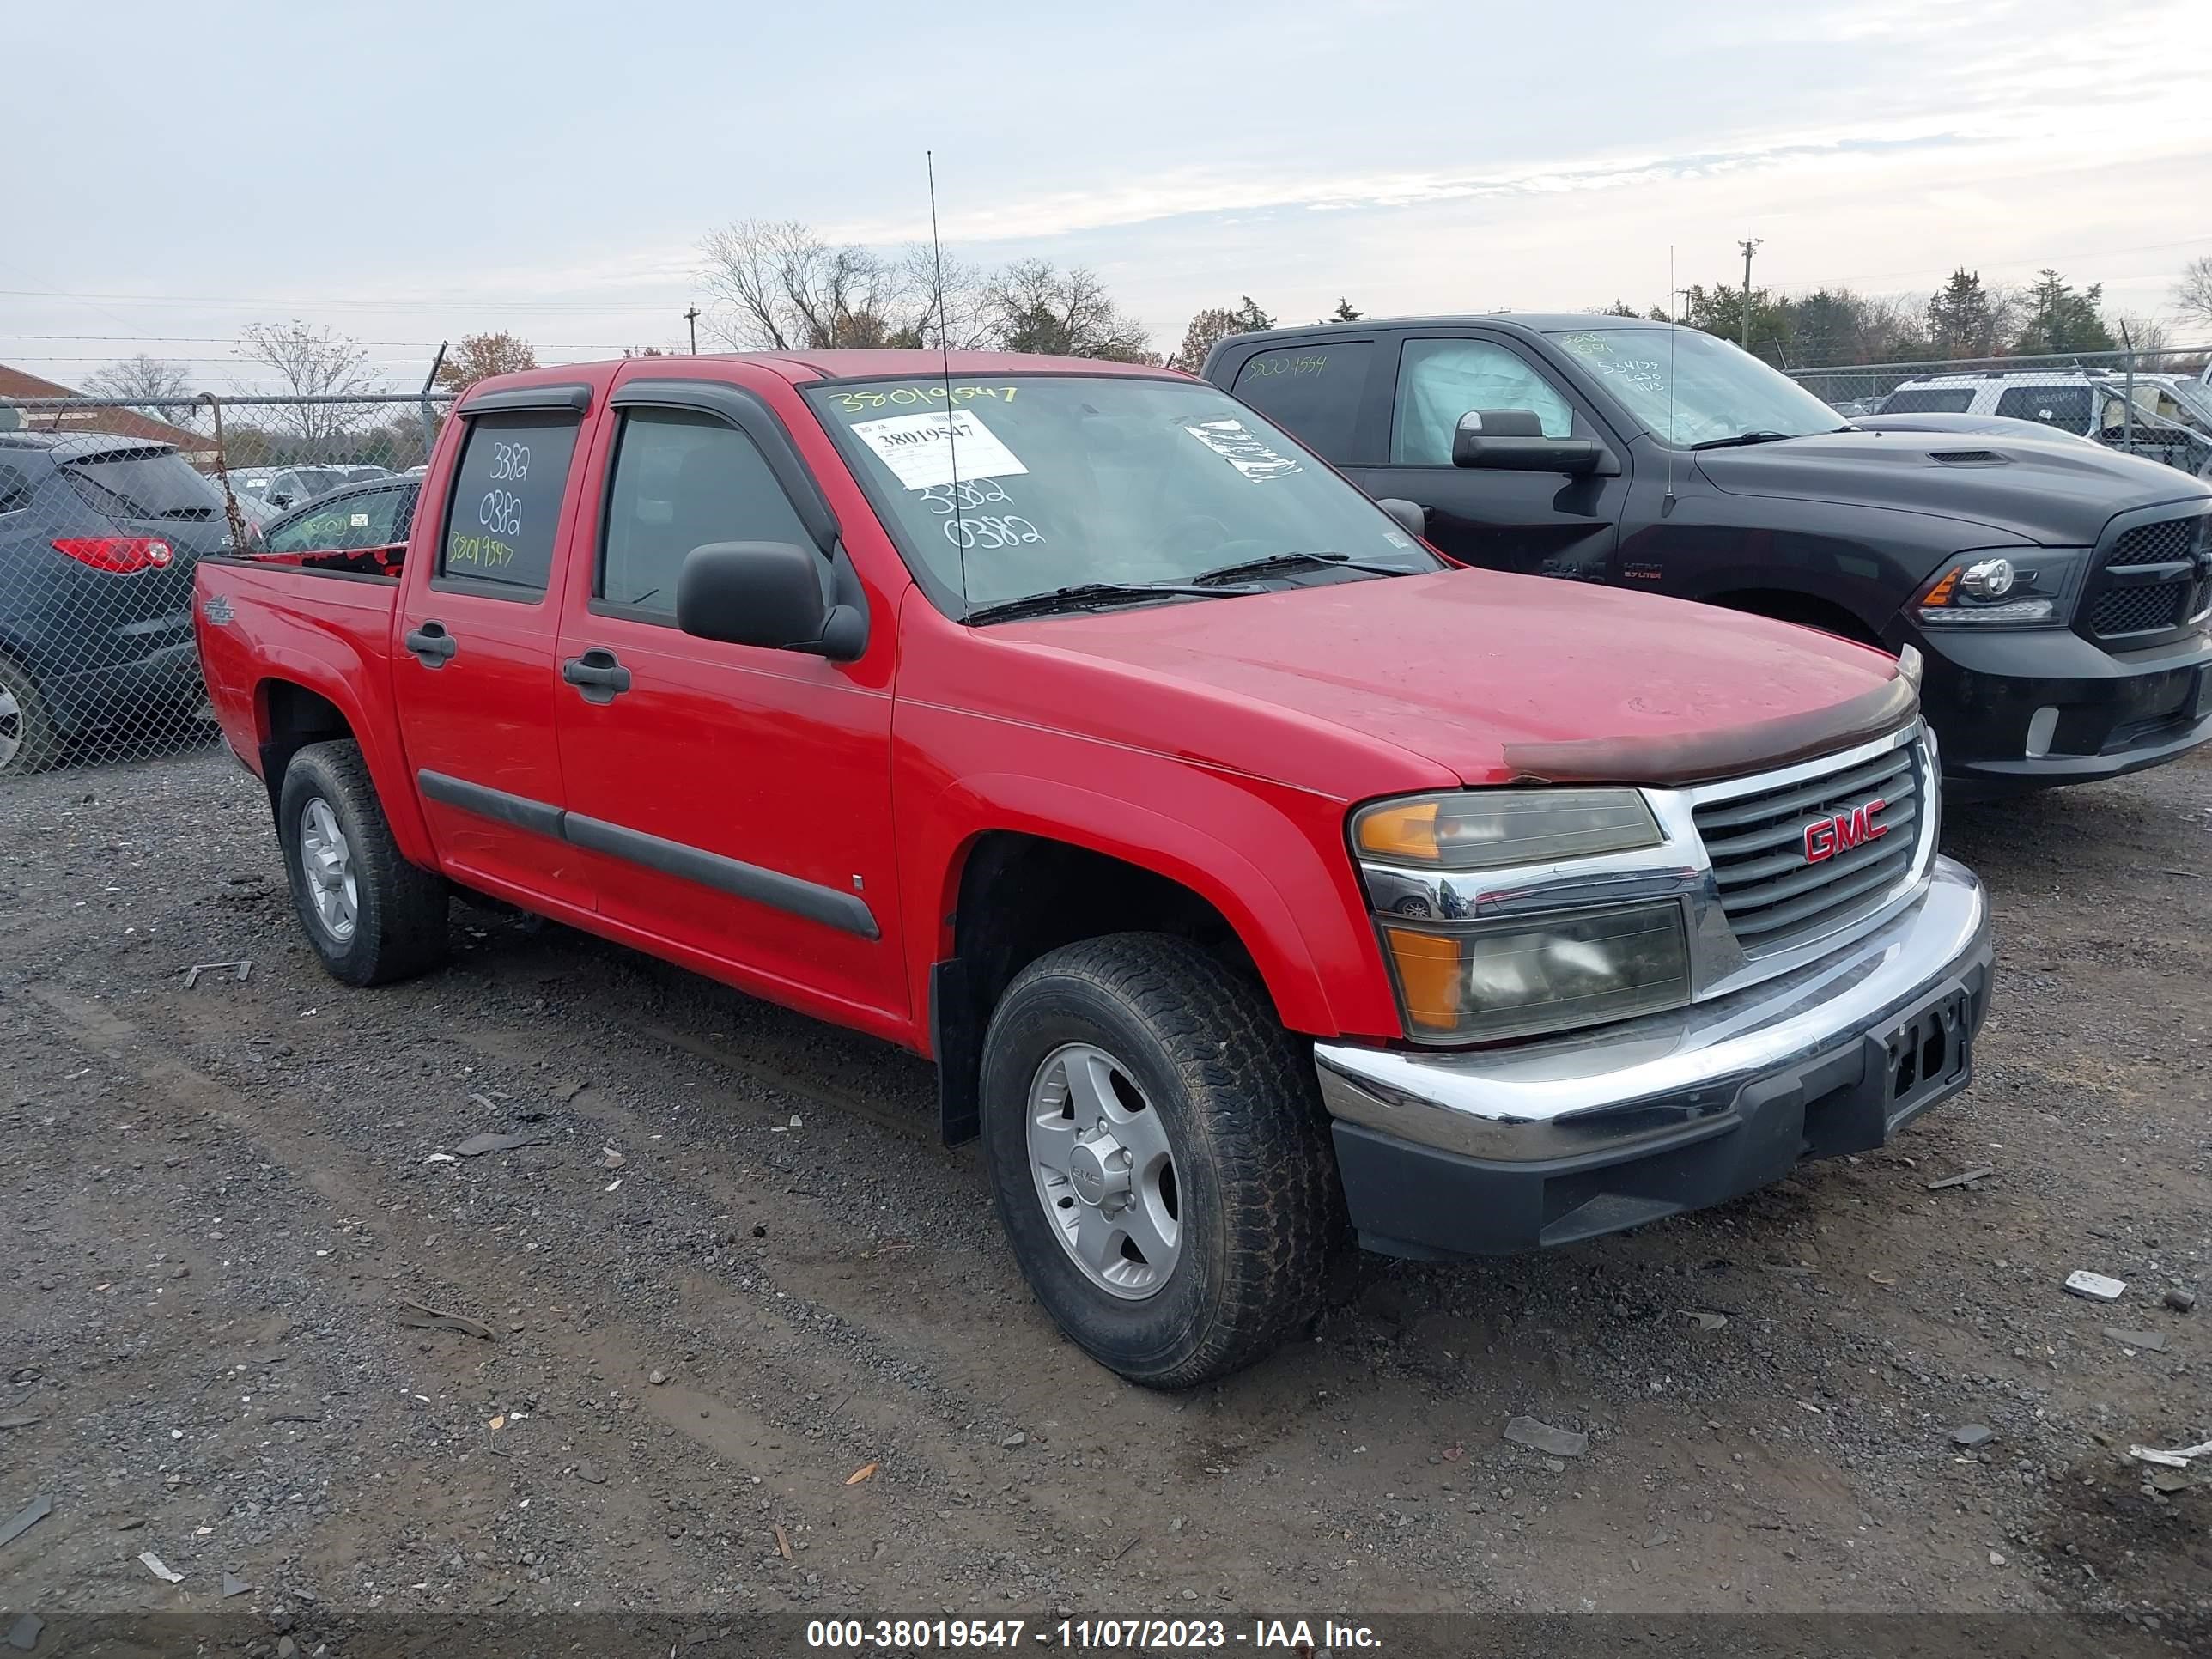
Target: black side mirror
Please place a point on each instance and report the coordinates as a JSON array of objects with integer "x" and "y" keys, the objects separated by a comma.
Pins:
[
  {"x": 1412, "y": 518},
  {"x": 1513, "y": 441},
  {"x": 776, "y": 595}
]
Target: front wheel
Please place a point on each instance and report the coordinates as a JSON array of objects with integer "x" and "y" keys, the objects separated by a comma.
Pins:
[
  {"x": 372, "y": 916},
  {"x": 28, "y": 741},
  {"x": 1160, "y": 1157}
]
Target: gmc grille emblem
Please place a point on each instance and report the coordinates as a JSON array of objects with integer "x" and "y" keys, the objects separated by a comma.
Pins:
[{"x": 1825, "y": 837}]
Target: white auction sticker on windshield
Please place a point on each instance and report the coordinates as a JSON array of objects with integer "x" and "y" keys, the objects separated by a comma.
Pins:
[
  {"x": 1243, "y": 450},
  {"x": 925, "y": 451}
]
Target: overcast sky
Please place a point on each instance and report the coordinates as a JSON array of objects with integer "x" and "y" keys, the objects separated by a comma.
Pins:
[{"x": 405, "y": 173}]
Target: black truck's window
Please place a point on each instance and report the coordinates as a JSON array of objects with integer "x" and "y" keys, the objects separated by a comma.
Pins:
[
  {"x": 369, "y": 518},
  {"x": 683, "y": 480},
  {"x": 1311, "y": 390},
  {"x": 1440, "y": 381},
  {"x": 505, "y": 509}
]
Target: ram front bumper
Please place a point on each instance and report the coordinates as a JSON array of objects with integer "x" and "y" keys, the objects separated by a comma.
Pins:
[{"x": 1495, "y": 1151}]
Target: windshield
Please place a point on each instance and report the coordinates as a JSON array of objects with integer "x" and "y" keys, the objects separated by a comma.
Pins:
[
  {"x": 1031, "y": 483},
  {"x": 1928, "y": 400},
  {"x": 1689, "y": 388}
]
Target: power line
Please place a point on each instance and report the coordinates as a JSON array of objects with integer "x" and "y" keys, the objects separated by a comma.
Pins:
[{"x": 477, "y": 302}]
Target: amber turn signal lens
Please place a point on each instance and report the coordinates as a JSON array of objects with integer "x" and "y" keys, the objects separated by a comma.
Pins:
[
  {"x": 1940, "y": 594},
  {"x": 1430, "y": 975},
  {"x": 1408, "y": 831}
]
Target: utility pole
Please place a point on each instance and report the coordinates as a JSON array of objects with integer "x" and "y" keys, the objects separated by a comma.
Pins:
[
  {"x": 1748, "y": 248},
  {"x": 692, "y": 318}
]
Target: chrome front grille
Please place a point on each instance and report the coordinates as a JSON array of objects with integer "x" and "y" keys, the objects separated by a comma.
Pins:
[{"x": 1814, "y": 854}]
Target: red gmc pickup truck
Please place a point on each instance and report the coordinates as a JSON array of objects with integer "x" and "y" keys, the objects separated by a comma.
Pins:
[{"x": 1247, "y": 867}]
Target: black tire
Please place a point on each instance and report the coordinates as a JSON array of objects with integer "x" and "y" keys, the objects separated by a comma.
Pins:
[
  {"x": 1259, "y": 1203},
  {"x": 38, "y": 745},
  {"x": 399, "y": 923}
]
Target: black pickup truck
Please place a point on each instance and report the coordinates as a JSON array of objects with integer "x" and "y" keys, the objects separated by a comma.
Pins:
[{"x": 2058, "y": 592}]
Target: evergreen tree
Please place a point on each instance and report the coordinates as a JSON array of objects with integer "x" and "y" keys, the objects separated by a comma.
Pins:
[
  {"x": 1962, "y": 320},
  {"x": 2061, "y": 319}
]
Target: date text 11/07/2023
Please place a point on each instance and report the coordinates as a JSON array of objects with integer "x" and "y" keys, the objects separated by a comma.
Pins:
[{"x": 1095, "y": 1635}]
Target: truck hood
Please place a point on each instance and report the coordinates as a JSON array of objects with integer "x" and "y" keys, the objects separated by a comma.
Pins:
[
  {"x": 1489, "y": 676},
  {"x": 2054, "y": 492}
]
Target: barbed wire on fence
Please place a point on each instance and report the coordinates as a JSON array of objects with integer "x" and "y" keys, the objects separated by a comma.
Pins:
[{"x": 107, "y": 504}]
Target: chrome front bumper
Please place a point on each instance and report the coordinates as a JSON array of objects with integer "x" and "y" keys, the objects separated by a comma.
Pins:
[{"x": 1657, "y": 1082}]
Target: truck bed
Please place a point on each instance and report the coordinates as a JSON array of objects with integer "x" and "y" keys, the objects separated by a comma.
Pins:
[{"x": 309, "y": 623}]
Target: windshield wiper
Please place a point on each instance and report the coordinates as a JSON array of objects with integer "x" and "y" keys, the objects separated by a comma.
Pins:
[
  {"x": 1741, "y": 439},
  {"x": 1090, "y": 594},
  {"x": 1274, "y": 561}
]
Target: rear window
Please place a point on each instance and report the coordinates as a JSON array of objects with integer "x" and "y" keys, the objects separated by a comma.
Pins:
[
  {"x": 143, "y": 483},
  {"x": 1929, "y": 400},
  {"x": 2063, "y": 406},
  {"x": 505, "y": 503},
  {"x": 1311, "y": 390}
]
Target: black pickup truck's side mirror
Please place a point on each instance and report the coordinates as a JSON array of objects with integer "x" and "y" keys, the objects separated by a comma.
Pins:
[
  {"x": 1513, "y": 441},
  {"x": 775, "y": 595}
]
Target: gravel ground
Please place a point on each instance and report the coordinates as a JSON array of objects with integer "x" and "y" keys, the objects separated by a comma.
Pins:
[{"x": 750, "y": 1340}]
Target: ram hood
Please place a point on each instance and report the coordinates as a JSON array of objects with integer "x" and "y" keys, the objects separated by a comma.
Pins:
[
  {"x": 1490, "y": 676},
  {"x": 2054, "y": 492}
]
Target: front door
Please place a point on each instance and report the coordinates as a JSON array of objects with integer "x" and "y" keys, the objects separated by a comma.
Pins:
[
  {"x": 474, "y": 673},
  {"x": 735, "y": 802},
  {"x": 1538, "y": 523}
]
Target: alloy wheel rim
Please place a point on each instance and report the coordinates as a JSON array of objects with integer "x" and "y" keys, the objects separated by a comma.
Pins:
[
  {"x": 326, "y": 862},
  {"x": 11, "y": 726},
  {"x": 1104, "y": 1171}
]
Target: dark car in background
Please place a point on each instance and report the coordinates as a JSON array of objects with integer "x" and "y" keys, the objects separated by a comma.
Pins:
[
  {"x": 2058, "y": 591},
  {"x": 362, "y": 526},
  {"x": 98, "y": 535}
]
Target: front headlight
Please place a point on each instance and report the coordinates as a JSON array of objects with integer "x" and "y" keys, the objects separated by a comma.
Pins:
[
  {"x": 1514, "y": 978},
  {"x": 2005, "y": 587},
  {"x": 1482, "y": 830}
]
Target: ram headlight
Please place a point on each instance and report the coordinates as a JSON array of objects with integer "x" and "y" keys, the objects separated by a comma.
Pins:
[
  {"x": 2005, "y": 587},
  {"x": 1512, "y": 979},
  {"x": 1482, "y": 830}
]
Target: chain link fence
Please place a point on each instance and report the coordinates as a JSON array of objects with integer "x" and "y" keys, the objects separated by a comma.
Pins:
[
  {"x": 106, "y": 507},
  {"x": 2157, "y": 404}
]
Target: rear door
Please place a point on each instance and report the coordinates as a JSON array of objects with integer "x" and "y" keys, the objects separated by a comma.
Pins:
[
  {"x": 473, "y": 669},
  {"x": 1543, "y": 524},
  {"x": 737, "y": 800},
  {"x": 1317, "y": 390}
]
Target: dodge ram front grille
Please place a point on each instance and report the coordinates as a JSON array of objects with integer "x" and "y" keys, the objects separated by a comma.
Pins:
[
  {"x": 2140, "y": 610},
  {"x": 1807, "y": 856},
  {"x": 2153, "y": 580}
]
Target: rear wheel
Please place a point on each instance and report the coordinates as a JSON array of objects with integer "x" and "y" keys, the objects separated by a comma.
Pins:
[
  {"x": 372, "y": 916},
  {"x": 28, "y": 742},
  {"x": 1160, "y": 1157}
]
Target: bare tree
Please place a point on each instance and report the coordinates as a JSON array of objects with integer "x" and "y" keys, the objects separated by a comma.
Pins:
[
  {"x": 1211, "y": 326},
  {"x": 312, "y": 362},
  {"x": 779, "y": 286},
  {"x": 941, "y": 301},
  {"x": 153, "y": 386},
  {"x": 2192, "y": 294},
  {"x": 1039, "y": 307},
  {"x": 2143, "y": 335},
  {"x": 480, "y": 356}
]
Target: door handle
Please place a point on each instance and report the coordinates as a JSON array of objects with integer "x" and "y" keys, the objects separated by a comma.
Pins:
[
  {"x": 434, "y": 648},
  {"x": 598, "y": 674}
]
